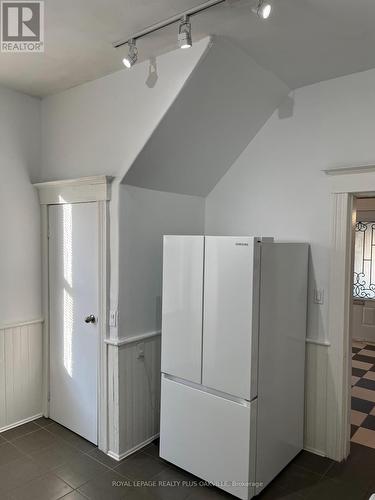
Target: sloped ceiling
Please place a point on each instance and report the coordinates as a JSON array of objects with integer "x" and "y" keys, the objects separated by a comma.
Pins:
[
  {"x": 305, "y": 41},
  {"x": 223, "y": 104}
]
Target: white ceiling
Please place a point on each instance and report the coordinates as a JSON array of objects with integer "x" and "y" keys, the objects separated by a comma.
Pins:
[{"x": 305, "y": 41}]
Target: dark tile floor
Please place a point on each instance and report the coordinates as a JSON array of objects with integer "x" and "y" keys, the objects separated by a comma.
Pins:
[{"x": 44, "y": 461}]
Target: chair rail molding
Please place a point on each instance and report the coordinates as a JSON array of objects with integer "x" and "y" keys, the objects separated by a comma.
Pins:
[
  {"x": 19, "y": 324},
  {"x": 130, "y": 340}
]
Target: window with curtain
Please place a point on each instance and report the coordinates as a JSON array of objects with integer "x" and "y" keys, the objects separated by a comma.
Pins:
[{"x": 364, "y": 261}]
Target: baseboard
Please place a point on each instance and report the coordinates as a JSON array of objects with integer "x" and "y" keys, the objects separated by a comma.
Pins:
[
  {"x": 118, "y": 457},
  {"x": 20, "y": 422},
  {"x": 316, "y": 452},
  {"x": 356, "y": 339}
]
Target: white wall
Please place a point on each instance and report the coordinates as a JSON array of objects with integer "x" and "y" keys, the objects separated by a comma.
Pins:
[
  {"x": 20, "y": 266},
  {"x": 276, "y": 187},
  {"x": 99, "y": 127},
  {"x": 145, "y": 216},
  {"x": 20, "y": 262}
]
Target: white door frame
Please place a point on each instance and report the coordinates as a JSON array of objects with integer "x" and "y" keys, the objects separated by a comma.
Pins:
[
  {"x": 87, "y": 189},
  {"x": 346, "y": 183}
]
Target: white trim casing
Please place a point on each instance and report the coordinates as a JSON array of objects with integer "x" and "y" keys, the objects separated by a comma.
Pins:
[
  {"x": 361, "y": 169},
  {"x": 346, "y": 184},
  {"x": 45, "y": 308},
  {"x": 88, "y": 189},
  {"x": 338, "y": 405},
  {"x": 81, "y": 190},
  {"x": 103, "y": 266}
]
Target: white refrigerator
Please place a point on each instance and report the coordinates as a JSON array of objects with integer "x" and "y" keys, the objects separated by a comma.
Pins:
[{"x": 233, "y": 358}]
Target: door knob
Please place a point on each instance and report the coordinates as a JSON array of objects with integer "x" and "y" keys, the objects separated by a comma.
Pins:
[{"x": 90, "y": 319}]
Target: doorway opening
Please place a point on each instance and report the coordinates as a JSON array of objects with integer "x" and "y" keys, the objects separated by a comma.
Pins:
[
  {"x": 362, "y": 325},
  {"x": 75, "y": 284}
]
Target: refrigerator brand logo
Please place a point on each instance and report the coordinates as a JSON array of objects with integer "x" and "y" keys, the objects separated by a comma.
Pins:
[
  {"x": 22, "y": 26},
  {"x": 242, "y": 244}
]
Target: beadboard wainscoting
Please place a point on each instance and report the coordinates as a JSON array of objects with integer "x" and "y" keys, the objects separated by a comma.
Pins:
[
  {"x": 138, "y": 392},
  {"x": 316, "y": 397},
  {"x": 21, "y": 372}
]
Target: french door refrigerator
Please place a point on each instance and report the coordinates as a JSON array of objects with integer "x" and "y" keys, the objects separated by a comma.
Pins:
[{"x": 233, "y": 357}]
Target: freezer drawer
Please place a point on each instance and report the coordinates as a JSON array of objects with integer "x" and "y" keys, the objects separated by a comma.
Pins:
[
  {"x": 182, "y": 307},
  {"x": 209, "y": 436}
]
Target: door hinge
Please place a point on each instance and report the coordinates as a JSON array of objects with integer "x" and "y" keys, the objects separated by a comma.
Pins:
[{"x": 49, "y": 396}]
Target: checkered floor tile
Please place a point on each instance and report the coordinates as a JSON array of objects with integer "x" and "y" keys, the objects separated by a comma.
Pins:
[{"x": 363, "y": 394}]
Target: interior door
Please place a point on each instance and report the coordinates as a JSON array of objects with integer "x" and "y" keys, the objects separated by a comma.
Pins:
[
  {"x": 73, "y": 289},
  {"x": 363, "y": 320}
]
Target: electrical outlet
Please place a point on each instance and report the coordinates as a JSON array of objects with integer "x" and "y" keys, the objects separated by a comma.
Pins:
[
  {"x": 141, "y": 350},
  {"x": 319, "y": 296}
]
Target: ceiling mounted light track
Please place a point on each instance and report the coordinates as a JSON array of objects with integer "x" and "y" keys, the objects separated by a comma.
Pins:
[{"x": 262, "y": 10}]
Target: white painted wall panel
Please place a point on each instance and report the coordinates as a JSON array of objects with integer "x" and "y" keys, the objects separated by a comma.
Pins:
[
  {"x": 316, "y": 398},
  {"x": 139, "y": 393},
  {"x": 21, "y": 351},
  {"x": 145, "y": 217}
]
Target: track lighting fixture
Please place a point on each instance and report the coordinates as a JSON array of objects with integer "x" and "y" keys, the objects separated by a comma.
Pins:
[
  {"x": 263, "y": 9},
  {"x": 132, "y": 56},
  {"x": 184, "y": 33}
]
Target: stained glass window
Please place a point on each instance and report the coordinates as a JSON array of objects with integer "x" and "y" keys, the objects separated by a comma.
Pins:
[{"x": 364, "y": 261}]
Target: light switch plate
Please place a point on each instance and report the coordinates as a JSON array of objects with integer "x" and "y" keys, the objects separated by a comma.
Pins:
[{"x": 113, "y": 316}]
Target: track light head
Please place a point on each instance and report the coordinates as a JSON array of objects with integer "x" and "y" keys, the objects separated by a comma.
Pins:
[
  {"x": 263, "y": 9},
  {"x": 132, "y": 56},
  {"x": 184, "y": 33}
]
